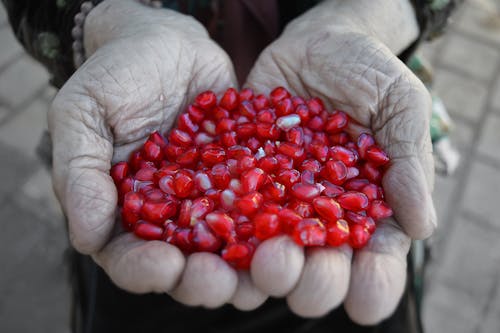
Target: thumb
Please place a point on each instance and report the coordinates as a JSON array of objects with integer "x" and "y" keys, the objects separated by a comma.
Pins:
[{"x": 82, "y": 155}]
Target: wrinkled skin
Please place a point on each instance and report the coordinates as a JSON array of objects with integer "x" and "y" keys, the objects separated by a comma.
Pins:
[
  {"x": 138, "y": 82},
  {"x": 355, "y": 73}
]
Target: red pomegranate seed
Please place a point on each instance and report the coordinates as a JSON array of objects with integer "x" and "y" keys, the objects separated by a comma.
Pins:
[
  {"x": 166, "y": 184},
  {"x": 278, "y": 94},
  {"x": 296, "y": 100},
  {"x": 336, "y": 122},
  {"x": 152, "y": 152},
  {"x": 378, "y": 210},
  {"x": 260, "y": 102},
  {"x": 284, "y": 107},
  {"x": 171, "y": 151},
  {"x": 252, "y": 180},
  {"x": 246, "y": 109},
  {"x": 274, "y": 191},
  {"x": 266, "y": 116},
  {"x": 376, "y": 156},
  {"x": 289, "y": 219},
  {"x": 189, "y": 158},
  {"x": 245, "y": 130},
  {"x": 269, "y": 164},
  {"x": 196, "y": 114},
  {"x": 228, "y": 139},
  {"x": 307, "y": 177},
  {"x": 316, "y": 123},
  {"x": 221, "y": 224},
  {"x": 184, "y": 218},
  {"x": 339, "y": 138},
  {"x": 221, "y": 176},
  {"x": 183, "y": 184},
  {"x": 335, "y": 172},
  {"x": 315, "y": 105},
  {"x": 119, "y": 171},
  {"x": 354, "y": 201},
  {"x": 148, "y": 231},
  {"x": 206, "y": 100},
  {"x": 303, "y": 112},
  {"x": 291, "y": 150},
  {"x": 372, "y": 191},
  {"x": 180, "y": 138},
  {"x": 229, "y": 100},
  {"x": 302, "y": 208},
  {"x": 186, "y": 124},
  {"x": 352, "y": 172},
  {"x": 356, "y": 184},
  {"x": 337, "y": 232},
  {"x": 319, "y": 151},
  {"x": 331, "y": 190},
  {"x": 305, "y": 192},
  {"x": 182, "y": 238},
  {"x": 135, "y": 160},
  {"x": 310, "y": 232},
  {"x": 359, "y": 236},
  {"x": 328, "y": 208},
  {"x": 266, "y": 225},
  {"x": 239, "y": 254},
  {"x": 219, "y": 113},
  {"x": 225, "y": 125},
  {"x": 285, "y": 162},
  {"x": 347, "y": 156},
  {"x": 203, "y": 239},
  {"x": 246, "y": 94},
  {"x": 365, "y": 141},
  {"x": 158, "y": 211},
  {"x": 145, "y": 174},
  {"x": 371, "y": 172},
  {"x": 288, "y": 177},
  {"x": 213, "y": 156},
  {"x": 249, "y": 203},
  {"x": 245, "y": 230}
]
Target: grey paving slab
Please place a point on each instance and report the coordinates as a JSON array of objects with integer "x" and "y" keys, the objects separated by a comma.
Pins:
[
  {"x": 3, "y": 113},
  {"x": 477, "y": 20},
  {"x": 444, "y": 188},
  {"x": 23, "y": 131},
  {"x": 490, "y": 138},
  {"x": 21, "y": 81},
  {"x": 10, "y": 46},
  {"x": 33, "y": 283},
  {"x": 461, "y": 134},
  {"x": 471, "y": 56},
  {"x": 14, "y": 169},
  {"x": 481, "y": 192},
  {"x": 491, "y": 321},
  {"x": 461, "y": 95},
  {"x": 495, "y": 97},
  {"x": 447, "y": 310}
]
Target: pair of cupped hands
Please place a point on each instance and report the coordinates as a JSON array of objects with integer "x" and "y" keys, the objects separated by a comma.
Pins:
[{"x": 146, "y": 65}]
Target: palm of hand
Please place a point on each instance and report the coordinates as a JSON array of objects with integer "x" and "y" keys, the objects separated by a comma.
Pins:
[{"x": 356, "y": 74}]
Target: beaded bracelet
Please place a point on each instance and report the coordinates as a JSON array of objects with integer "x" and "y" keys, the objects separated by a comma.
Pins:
[{"x": 79, "y": 20}]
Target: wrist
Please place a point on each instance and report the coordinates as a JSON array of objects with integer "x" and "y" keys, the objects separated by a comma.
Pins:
[
  {"x": 392, "y": 22},
  {"x": 118, "y": 19}
]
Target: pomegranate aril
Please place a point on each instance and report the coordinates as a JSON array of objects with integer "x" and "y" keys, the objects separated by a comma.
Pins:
[
  {"x": 152, "y": 152},
  {"x": 266, "y": 116},
  {"x": 291, "y": 150},
  {"x": 378, "y": 210},
  {"x": 303, "y": 112},
  {"x": 356, "y": 184},
  {"x": 335, "y": 172},
  {"x": 245, "y": 230},
  {"x": 289, "y": 219},
  {"x": 225, "y": 125},
  {"x": 135, "y": 160},
  {"x": 213, "y": 156},
  {"x": 189, "y": 158},
  {"x": 372, "y": 191},
  {"x": 295, "y": 135},
  {"x": 182, "y": 238},
  {"x": 206, "y": 100},
  {"x": 278, "y": 94},
  {"x": 310, "y": 232},
  {"x": 371, "y": 172},
  {"x": 266, "y": 225},
  {"x": 229, "y": 139},
  {"x": 305, "y": 192},
  {"x": 166, "y": 184},
  {"x": 359, "y": 236},
  {"x": 238, "y": 254},
  {"x": 221, "y": 176},
  {"x": 249, "y": 203},
  {"x": 125, "y": 186},
  {"x": 339, "y": 138},
  {"x": 274, "y": 191},
  {"x": 245, "y": 130},
  {"x": 220, "y": 113},
  {"x": 319, "y": 151},
  {"x": 316, "y": 123},
  {"x": 186, "y": 124},
  {"x": 171, "y": 151},
  {"x": 260, "y": 102},
  {"x": 336, "y": 122},
  {"x": 145, "y": 174},
  {"x": 246, "y": 109},
  {"x": 119, "y": 171},
  {"x": 246, "y": 94},
  {"x": 315, "y": 106},
  {"x": 354, "y": 201},
  {"x": 252, "y": 180},
  {"x": 183, "y": 184},
  {"x": 229, "y": 100},
  {"x": 364, "y": 142},
  {"x": 203, "y": 239},
  {"x": 331, "y": 190},
  {"x": 285, "y": 162},
  {"x": 184, "y": 218},
  {"x": 328, "y": 208},
  {"x": 296, "y": 100},
  {"x": 352, "y": 172},
  {"x": 302, "y": 208},
  {"x": 148, "y": 231},
  {"x": 221, "y": 224},
  {"x": 288, "y": 177},
  {"x": 347, "y": 156},
  {"x": 269, "y": 164},
  {"x": 196, "y": 114},
  {"x": 180, "y": 138},
  {"x": 337, "y": 232},
  {"x": 307, "y": 177},
  {"x": 158, "y": 211},
  {"x": 376, "y": 156},
  {"x": 284, "y": 107}
]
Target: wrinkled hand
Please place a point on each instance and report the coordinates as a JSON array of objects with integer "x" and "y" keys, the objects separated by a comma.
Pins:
[
  {"x": 356, "y": 73},
  {"x": 142, "y": 71}
]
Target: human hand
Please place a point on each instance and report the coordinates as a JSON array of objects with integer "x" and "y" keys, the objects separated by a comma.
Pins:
[
  {"x": 142, "y": 70},
  {"x": 352, "y": 70}
]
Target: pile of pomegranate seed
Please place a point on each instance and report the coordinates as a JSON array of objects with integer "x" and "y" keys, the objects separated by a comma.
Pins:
[{"x": 234, "y": 173}]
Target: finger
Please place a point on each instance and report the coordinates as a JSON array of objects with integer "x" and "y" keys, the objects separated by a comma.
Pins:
[
  {"x": 207, "y": 280},
  {"x": 141, "y": 266},
  {"x": 82, "y": 151},
  {"x": 277, "y": 265},
  {"x": 247, "y": 296},
  {"x": 324, "y": 282},
  {"x": 378, "y": 275},
  {"x": 402, "y": 129}
]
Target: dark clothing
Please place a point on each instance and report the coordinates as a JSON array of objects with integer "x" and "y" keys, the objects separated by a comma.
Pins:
[{"x": 44, "y": 26}]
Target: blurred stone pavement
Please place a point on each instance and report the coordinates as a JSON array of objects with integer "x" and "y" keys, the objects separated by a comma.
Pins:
[{"x": 463, "y": 282}]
